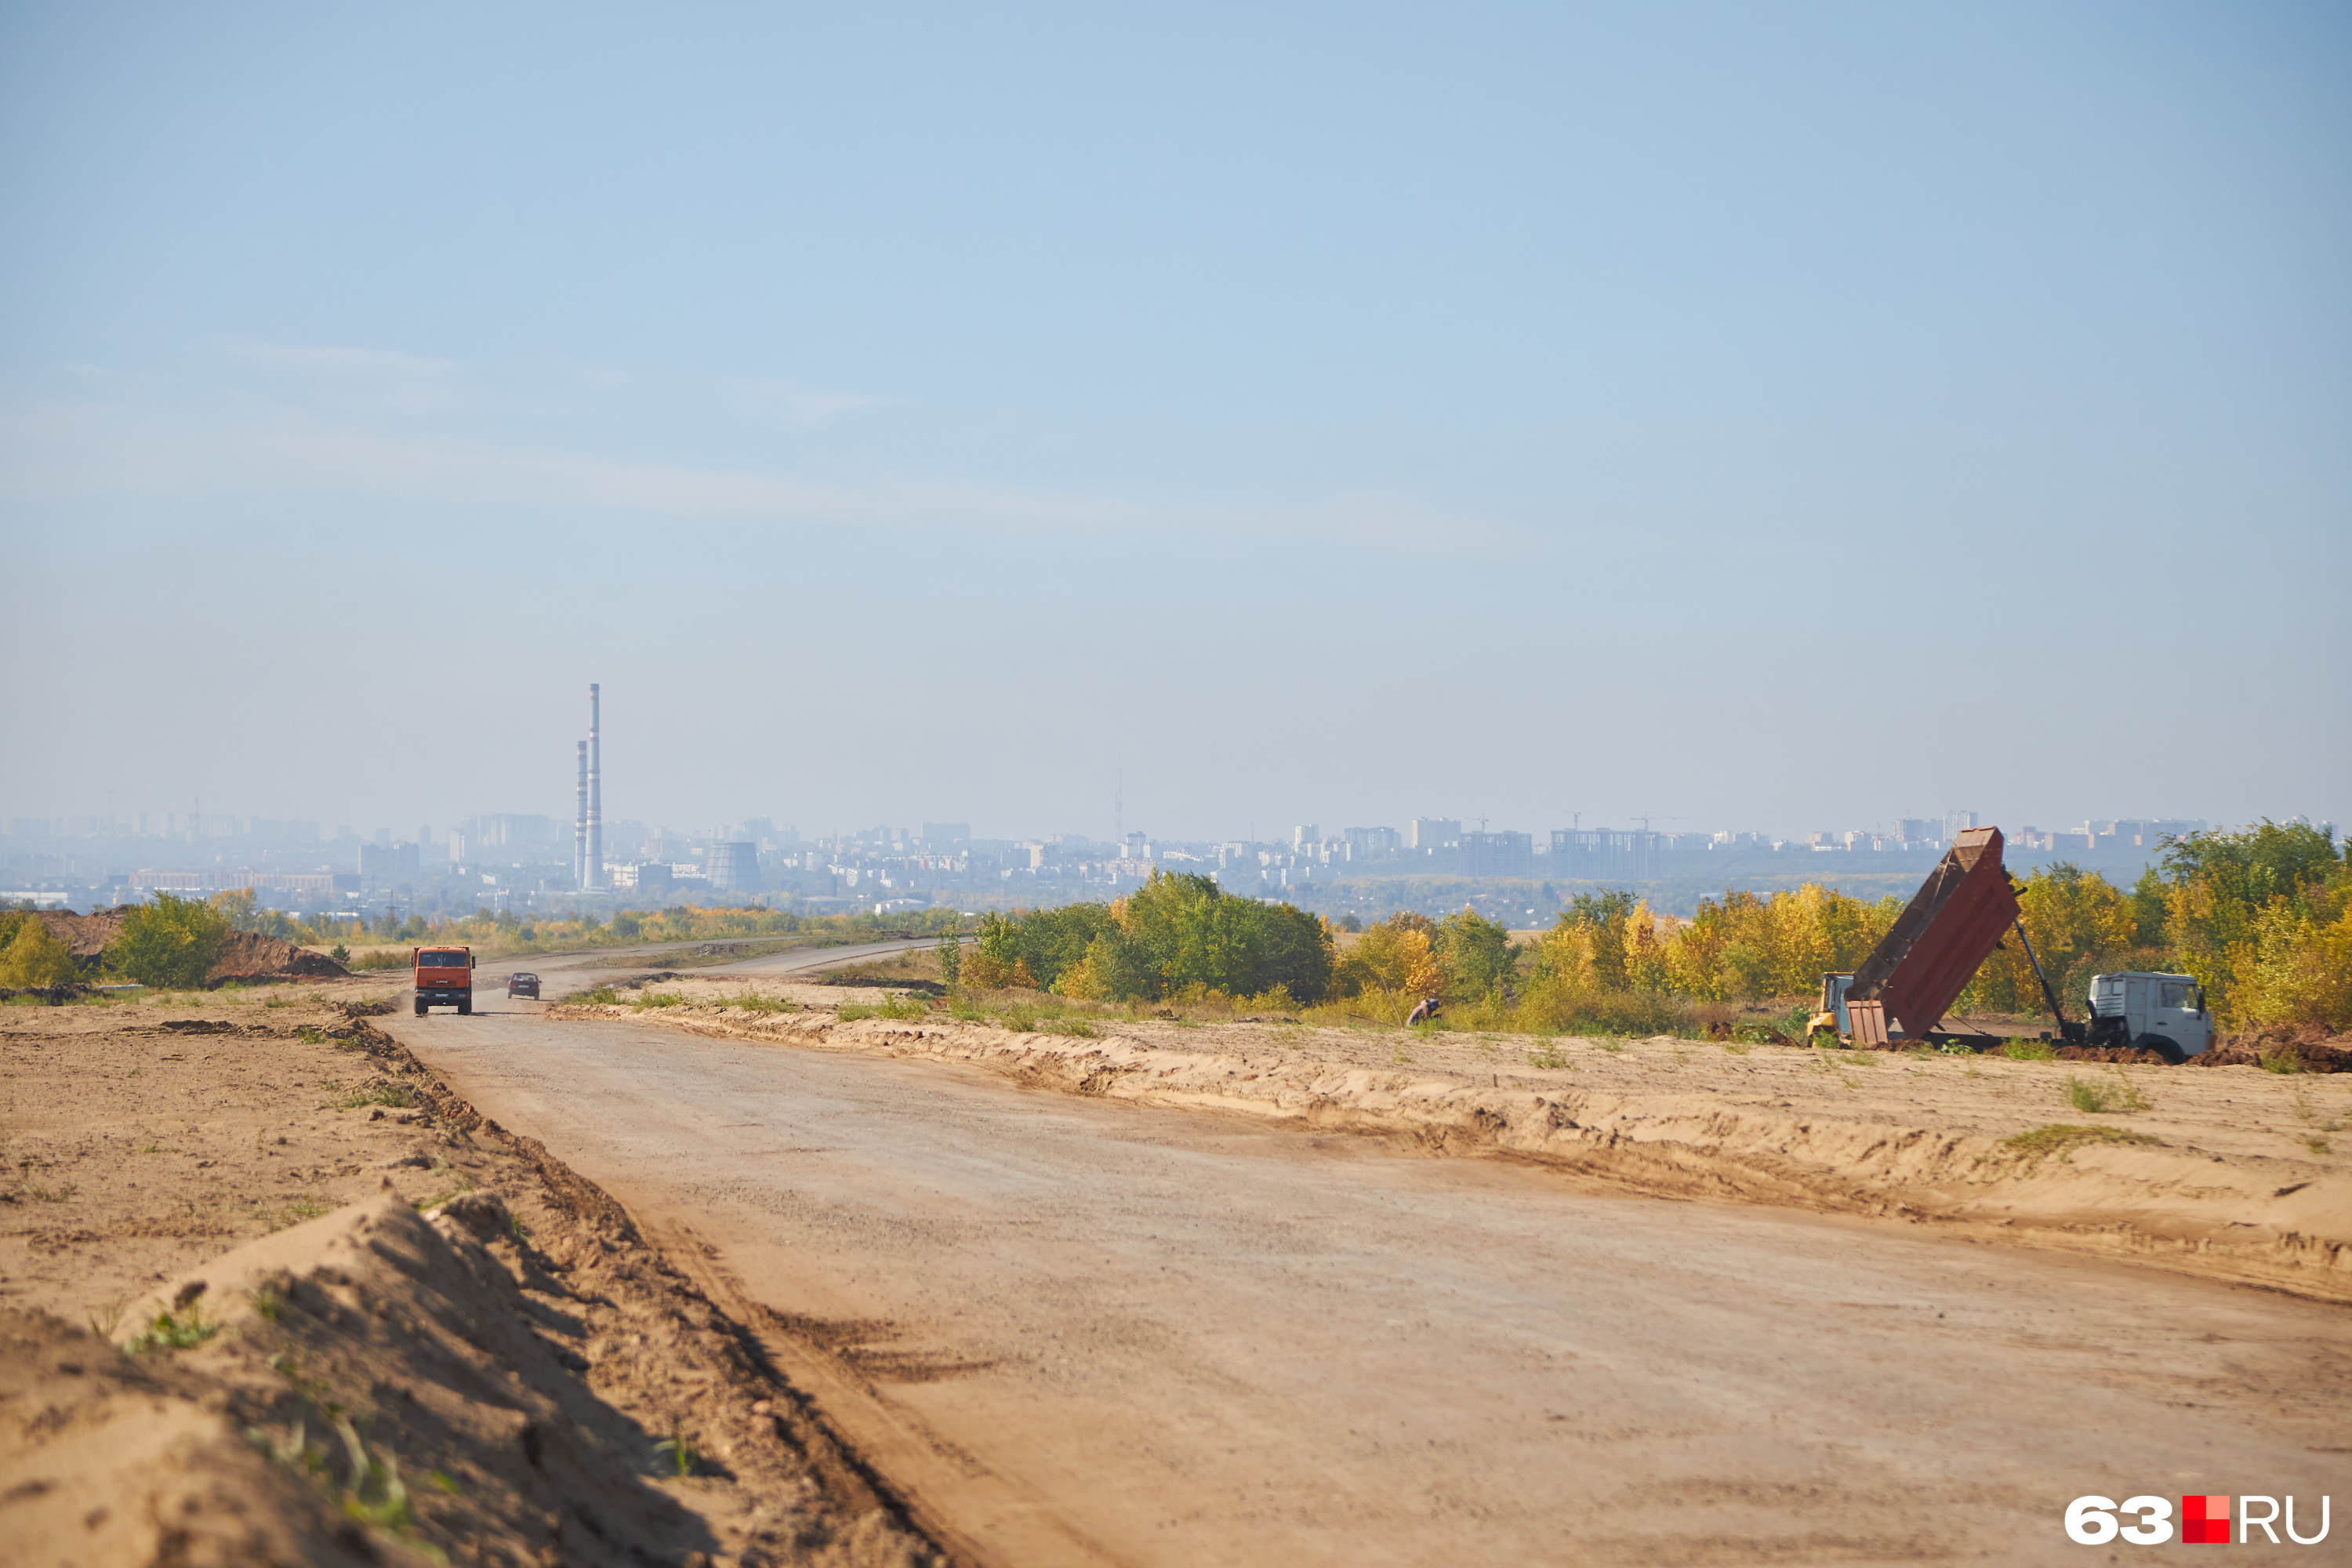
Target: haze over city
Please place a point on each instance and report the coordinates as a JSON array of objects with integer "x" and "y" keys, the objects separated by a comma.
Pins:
[
  {"x": 1040, "y": 786},
  {"x": 1788, "y": 422}
]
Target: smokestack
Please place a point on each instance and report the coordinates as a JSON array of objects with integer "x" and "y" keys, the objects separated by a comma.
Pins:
[
  {"x": 595, "y": 787},
  {"x": 580, "y": 826}
]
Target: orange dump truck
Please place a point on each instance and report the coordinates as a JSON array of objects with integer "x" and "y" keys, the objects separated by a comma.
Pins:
[{"x": 444, "y": 978}]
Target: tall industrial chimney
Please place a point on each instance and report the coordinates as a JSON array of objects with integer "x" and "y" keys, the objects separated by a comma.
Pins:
[
  {"x": 595, "y": 787},
  {"x": 580, "y": 826}
]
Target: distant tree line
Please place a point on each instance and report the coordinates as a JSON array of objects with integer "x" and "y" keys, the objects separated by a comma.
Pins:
[{"x": 2261, "y": 916}]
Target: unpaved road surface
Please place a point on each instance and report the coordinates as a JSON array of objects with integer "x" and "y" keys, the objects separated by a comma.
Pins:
[
  {"x": 1091, "y": 1331},
  {"x": 560, "y": 972}
]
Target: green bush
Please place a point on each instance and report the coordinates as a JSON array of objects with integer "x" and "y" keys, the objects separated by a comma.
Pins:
[
  {"x": 1173, "y": 935},
  {"x": 33, "y": 958},
  {"x": 170, "y": 942}
]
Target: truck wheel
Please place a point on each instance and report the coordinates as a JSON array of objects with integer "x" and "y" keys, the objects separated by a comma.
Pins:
[
  {"x": 420, "y": 1006},
  {"x": 2171, "y": 1053},
  {"x": 465, "y": 1009}
]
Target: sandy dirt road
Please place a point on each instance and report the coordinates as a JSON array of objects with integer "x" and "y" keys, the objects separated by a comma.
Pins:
[
  {"x": 563, "y": 971},
  {"x": 1097, "y": 1332}
]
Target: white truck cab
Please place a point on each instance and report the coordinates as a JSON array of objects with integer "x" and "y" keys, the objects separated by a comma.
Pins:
[{"x": 2163, "y": 1012}]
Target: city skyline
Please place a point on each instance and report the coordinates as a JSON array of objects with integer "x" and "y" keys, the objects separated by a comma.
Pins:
[{"x": 1933, "y": 406}]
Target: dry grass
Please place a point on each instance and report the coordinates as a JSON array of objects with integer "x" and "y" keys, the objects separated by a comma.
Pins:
[{"x": 2060, "y": 1137}]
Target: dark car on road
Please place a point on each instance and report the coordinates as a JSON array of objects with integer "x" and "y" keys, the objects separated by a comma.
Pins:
[{"x": 523, "y": 985}]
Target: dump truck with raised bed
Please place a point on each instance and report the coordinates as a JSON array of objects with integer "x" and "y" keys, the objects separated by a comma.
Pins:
[
  {"x": 443, "y": 977},
  {"x": 1951, "y": 925}
]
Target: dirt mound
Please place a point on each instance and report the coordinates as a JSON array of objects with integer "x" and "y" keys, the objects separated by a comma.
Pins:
[
  {"x": 247, "y": 956},
  {"x": 124, "y": 1463},
  {"x": 380, "y": 1381},
  {"x": 86, "y": 936},
  {"x": 2313, "y": 1047},
  {"x": 515, "y": 1375}
]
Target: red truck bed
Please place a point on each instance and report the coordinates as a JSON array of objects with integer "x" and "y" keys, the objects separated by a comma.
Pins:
[{"x": 1953, "y": 921}]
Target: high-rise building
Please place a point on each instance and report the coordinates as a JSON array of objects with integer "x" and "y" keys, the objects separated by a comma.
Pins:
[{"x": 1501, "y": 854}]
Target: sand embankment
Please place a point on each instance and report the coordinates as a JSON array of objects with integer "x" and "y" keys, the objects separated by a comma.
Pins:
[{"x": 273, "y": 1295}]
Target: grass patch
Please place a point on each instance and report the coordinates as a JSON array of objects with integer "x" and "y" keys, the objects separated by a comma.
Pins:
[
  {"x": 681, "y": 1452},
  {"x": 1737, "y": 1048},
  {"x": 174, "y": 1331},
  {"x": 2029, "y": 1051},
  {"x": 898, "y": 1008},
  {"x": 2279, "y": 1059},
  {"x": 659, "y": 999},
  {"x": 374, "y": 1494},
  {"x": 2060, "y": 1137},
  {"x": 293, "y": 1214},
  {"x": 383, "y": 1092},
  {"x": 1076, "y": 1028},
  {"x": 752, "y": 1001},
  {"x": 2103, "y": 1099},
  {"x": 2316, "y": 1143},
  {"x": 602, "y": 997},
  {"x": 466, "y": 1183},
  {"x": 1548, "y": 1055},
  {"x": 2090, "y": 1098}
]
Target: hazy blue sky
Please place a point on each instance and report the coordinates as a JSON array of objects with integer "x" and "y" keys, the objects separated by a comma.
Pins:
[{"x": 1321, "y": 413}]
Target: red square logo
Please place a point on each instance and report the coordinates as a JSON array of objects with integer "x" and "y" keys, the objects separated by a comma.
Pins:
[{"x": 2205, "y": 1518}]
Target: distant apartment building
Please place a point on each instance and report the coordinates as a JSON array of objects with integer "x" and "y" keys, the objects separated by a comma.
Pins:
[
  {"x": 1497, "y": 854},
  {"x": 1432, "y": 832},
  {"x": 295, "y": 884},
  {"x": 516, "y": 830},
  {"x": 388, "y": 862},
  {"x": 1605, "y": 853},
  {"x": 2141, "y": 833}
]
